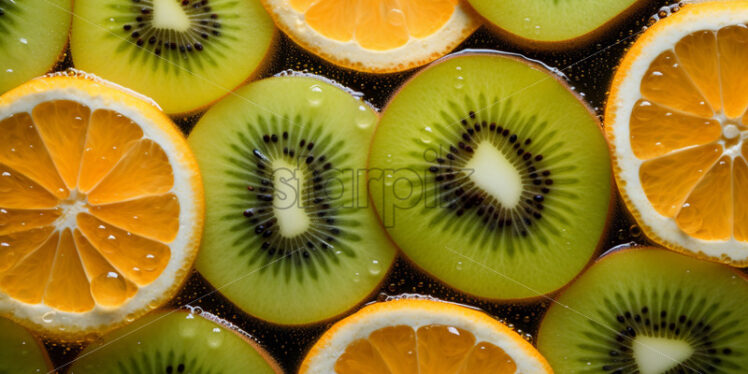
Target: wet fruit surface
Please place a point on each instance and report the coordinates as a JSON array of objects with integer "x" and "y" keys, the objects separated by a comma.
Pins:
[{"x": 589, "y": 70}]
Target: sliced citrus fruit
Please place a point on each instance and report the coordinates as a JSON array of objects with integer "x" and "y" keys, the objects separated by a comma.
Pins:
[
  {"x": 374, "y": 35},
  {"x": 101, "y": 205},
  {"x": 422, "y": 336},
  {"x": 677, "y": 124}
]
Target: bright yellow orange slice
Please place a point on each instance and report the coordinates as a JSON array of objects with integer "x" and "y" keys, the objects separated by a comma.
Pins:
[
  {"x": 422, "y": 336},
  {"x": 101, "y": 205},
  {"x": 378, "y": 36},
  {"x": 677, "y": 124}
]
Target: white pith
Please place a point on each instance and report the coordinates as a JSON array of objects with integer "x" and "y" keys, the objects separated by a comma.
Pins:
[
  {"x": 665, "y": 228},
  {"x": 493, "y": 173},
  {"x": 287, "y": 208},
  {"x": 351, "y": 54},
  {"x": 416, "y": 317},
  {"x": 169, "y": 15},
  {"x": 655, "y": 355},
  {"x": 56, "y": 321}
]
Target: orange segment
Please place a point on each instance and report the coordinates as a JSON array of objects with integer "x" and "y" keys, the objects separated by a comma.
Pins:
[
  {"x": 63, "y": 125},
  {"x": 656, "y": 130},
  {"x": 397, "y": 345},
  {"x": 68, "y": 288},
  {"x": 145, "y": 170},
  {"x": 108, "y": 286},
  {"x": 424, "y": 17},
  {"x": 666, "y": 83},
  {"x": 110, "y": 135},
  {"x": 421, "y": 336},
  {"x": 707, "y": 212},
  {"x": 733, "y": 53},
  {"x": 381, "y": 25},
  {"x": 668, "y": 180},
  {"x": 361, "y": 358},
  {"x": 26, "y": 280},
  {"x": 697, "y": 54},
  {"x": 22, "y": 150},
  {"x": 375, "y": 36},
  {"x": 12, "y": 220},
  {"x": 332, "y": 18},
  {"x": 18, "y": 191},
  {"x": 155, "y": 217},
  {"x": 740, "y": 204},
  {"x": 441, "y": 349},
  {"x": 486, "y": 358},
  {"x": 15, "y": 246},
  {"x": 141, "y": 260}
]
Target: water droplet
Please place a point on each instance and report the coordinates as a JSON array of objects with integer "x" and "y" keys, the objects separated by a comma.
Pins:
[
  {"x": 215, "y": 339},
  {"x": 49, "y": 317},
  {"x": 396, "y": 17},
  {"x": 458, "y": 267},
  {"x": 388, "y": 180},
  {"x": 23, "y": 41},
  {"x": 356, "y": 277},
  {"x": 363, "y": 118},
  {"x": 375, "y": 268},
  {"x": 150, "y": 263},
  {"x": 315, "y": 97},
  {"x": 109, "y": 289},
  {"x": 9, "y": 71},
  {"x": 426, "y": 134},
  {"x": 187, "y": 329},
  {"x": 459, "y": 82}
]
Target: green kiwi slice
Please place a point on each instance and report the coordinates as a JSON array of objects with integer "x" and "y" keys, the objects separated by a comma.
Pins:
[
  {"x": 554, "y": 23},
  {"x": 33, "y": 34},
  {"x": 289, "y": 236},
  {"x": 185, "y": 54},
  {"x": 490, "y": 174},
  {"x": 649, "y": 311},
  {"x": 21, "y": 352},
  {"x": 175, "y": 342}
]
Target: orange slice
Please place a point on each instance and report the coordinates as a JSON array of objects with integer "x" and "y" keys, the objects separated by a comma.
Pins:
[
  {"x": 378, "y": 36},
  {"x": 101, "y": 205},
  {"x": 678, "y": 128},
  {"x": 422, "y": 336}
]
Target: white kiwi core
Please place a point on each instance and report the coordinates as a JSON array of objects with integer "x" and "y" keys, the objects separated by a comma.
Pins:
[{"x": 490, "y": 170}]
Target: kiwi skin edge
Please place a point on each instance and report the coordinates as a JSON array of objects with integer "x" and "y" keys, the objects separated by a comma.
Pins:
[
  {"x": 737, "y": 272},
  {"x": 611, "y": 200},
  {"x": 560, "y": 45},
  {"x": 247, "y": 338}
]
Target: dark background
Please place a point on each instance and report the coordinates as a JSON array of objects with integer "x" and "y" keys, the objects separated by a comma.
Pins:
[{"x": 588, "y": 68}]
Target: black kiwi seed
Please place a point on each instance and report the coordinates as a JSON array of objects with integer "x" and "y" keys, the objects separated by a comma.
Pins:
[
  {"x": 203, "y": 24},
  {"x": 260, "y": 218},
  {"x": 629, "y": 324},
  {"x": 454, "y": 194}
]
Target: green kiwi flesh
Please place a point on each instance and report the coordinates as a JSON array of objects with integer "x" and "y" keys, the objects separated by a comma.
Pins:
[
  {"x": 21, "y": 352},
  {"x": 552, "y": 21},
  {"x": 491, "y": 175},
  {"x": 649, "y": 311},
  {"x": 185, "y": 54},
  {"x": 33, "y": 34},
  {"x": 289, "y": 235},
  {"x": 174, "y": 342}
]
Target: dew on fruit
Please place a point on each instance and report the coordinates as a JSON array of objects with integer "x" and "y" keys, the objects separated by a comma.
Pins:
[
  {"x": 49, "y": 317},
  {"x": 315, "y": 96},
  {"x": 215, "y": 339}
]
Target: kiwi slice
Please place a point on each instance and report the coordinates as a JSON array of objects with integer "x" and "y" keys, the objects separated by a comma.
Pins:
[
  {"x": 185, "y": 54},
  {"x": 174, "y": 342},
  {"x": 553, "y": 24},
  {"x": 33, "y": 34},
  {"x": 491, "y": 175},
  {"x": 649, "y": 311},
  {"x": 289, "y": 236},
  {"x": 21, "y": 352}
]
